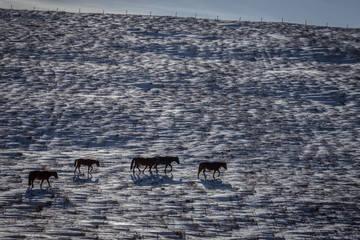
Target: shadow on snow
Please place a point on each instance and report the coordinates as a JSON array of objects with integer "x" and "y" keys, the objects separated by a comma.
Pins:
[
  {"x": 77, "y": 178},
  {"x": 30, "y": 193},
  {"x": 154, "y": 179},
  {"x": 215, "y": 184}
]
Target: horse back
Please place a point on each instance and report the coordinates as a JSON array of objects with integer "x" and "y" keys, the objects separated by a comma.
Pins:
[
  {"x": 212, "y": 165},
  {"x": 34, "y": 174},
  {"x": 86, "y": 161},
  {"x": 146, "y": 161},
  {"x": 40, "y": 175},
  {"x": 167, "y": 160}
]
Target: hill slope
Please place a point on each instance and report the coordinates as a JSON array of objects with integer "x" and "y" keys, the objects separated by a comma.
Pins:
[{"x": 278, "y": 102}]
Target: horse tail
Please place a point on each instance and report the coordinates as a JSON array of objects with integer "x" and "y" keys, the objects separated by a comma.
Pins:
[
  {"x": 200, "y": 168},
  {"x": 29, "y": 179},
  {"x": 132, "y": 164},
  {"x": 75, "y": 163}
]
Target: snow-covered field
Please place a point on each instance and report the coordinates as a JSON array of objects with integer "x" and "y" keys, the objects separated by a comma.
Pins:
[{"x": 280, "y": 103}]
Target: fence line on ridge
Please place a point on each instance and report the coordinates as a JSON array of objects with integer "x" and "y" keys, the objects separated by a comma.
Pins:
[{"x": 195, "y": 16}]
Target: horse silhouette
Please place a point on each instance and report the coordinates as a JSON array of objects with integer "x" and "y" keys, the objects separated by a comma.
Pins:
[
  {"x": 41, "y": 175},
  {"x": 87, "y": 162},
  {"x": 215, "y": 166},
  {"x": 167, "y": 161},
  {"x": 147, "y": 162}
]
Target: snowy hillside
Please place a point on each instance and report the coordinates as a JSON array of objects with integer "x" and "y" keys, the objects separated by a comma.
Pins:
[{"x": 278, "y": 102}]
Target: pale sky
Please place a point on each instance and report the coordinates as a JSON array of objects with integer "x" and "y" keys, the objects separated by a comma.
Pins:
[{"x": 338, "y": 13}]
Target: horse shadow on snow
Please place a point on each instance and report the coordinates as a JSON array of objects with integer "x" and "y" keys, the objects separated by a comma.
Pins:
[
  {"x": 40, "y": 192},
  {"x": 216, "y": 184},
  {"x": 154, "y": 180},
  {"x": 89, "y": 179}
]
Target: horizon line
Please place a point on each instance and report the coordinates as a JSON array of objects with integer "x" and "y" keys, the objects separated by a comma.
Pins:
[{"x": 195, "y": 16}]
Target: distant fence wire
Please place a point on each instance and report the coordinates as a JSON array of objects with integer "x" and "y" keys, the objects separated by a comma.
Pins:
[{"x": 177, "y": 15}]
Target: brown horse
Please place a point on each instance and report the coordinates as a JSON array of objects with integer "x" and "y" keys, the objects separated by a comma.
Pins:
[
  {"x": 87, "y": 162},
  {"x": 147, "y": 162},
  {"x": 167, "y": 161},
  {"x": 211, "y": 166},
  {"x": 41, "y": 175}
]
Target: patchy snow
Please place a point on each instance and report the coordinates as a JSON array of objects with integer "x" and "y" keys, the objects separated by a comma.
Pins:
[{"x": 278, "y": 102}]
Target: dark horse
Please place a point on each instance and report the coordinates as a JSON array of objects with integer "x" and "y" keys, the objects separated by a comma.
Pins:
[
  {"x": 87, "y": 162},
  {"x": 211, "y": 166},
  {"x": 147, "y": 162},
  {"x": 41, "y": 175},
  {"x": 167, "y": 161}
]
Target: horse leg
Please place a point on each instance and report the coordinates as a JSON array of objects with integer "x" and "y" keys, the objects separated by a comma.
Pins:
[
  {"x": 41, "y": 183},
  {"x": 219, "y": 173},
  {"x": 150, "y": 169},
  {"x": 48, "y": 182},
  {"x": 199, "y": 172},
  {"x": 165, "y": 168},
  {"x": 170, "y": 167},
  {"x": 138, "y": 167},
  {"x": 214, "y": 174},
  {"x": 144, "y": 169},
  {"x": 204, "y": 172}
]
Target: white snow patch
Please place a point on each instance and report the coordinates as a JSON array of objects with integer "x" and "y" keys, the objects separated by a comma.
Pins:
[{"x": 279, "y": 103}]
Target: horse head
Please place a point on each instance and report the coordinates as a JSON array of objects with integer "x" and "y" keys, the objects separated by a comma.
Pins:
[
  {"x": 54, "y": 173},
  {"x": 224, "y": 165}
]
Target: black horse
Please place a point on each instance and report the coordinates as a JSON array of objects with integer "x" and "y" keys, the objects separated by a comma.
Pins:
[
  {"x": 147, "y": 162},
  {"x": 215, "y": 166},
  {"x": 41, "y": 175},
  {"x": 167, "y": 161}
]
